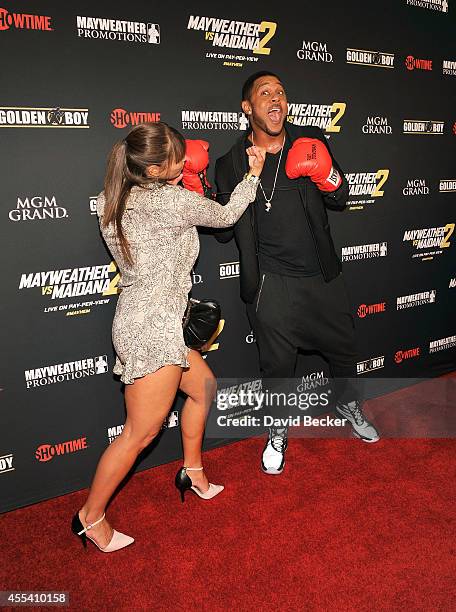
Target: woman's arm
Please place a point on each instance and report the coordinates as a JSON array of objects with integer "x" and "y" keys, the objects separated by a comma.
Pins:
[{"x": 197, "y": 210}]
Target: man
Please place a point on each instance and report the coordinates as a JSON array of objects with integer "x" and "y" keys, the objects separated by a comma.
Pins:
[{"x": 290, "y": 275}]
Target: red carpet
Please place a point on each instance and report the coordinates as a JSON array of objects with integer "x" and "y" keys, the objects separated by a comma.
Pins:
[{"x": 348, "y": 526}]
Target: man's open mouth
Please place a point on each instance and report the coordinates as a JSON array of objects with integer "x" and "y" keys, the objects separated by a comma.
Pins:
[{"x": 275, "y": 114}]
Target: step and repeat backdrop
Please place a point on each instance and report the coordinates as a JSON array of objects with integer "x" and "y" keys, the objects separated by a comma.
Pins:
[{"x": 379, "y": 78}]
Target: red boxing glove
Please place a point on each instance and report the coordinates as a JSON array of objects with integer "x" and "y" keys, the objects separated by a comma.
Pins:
[
  {"x": 309, "y": 157},
  {"x": 196, "y": 162}
]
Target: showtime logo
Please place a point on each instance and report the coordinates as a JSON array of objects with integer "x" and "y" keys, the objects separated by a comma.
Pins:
[
  {"x": 368, "y": 309},
  {"x": 400, "y": 356},
  {"x": 120, "y": 118},
  {"x": 413, "y": 63},
  {"x": 46, "y": 452},
  {"x": 24, "y": 21}
]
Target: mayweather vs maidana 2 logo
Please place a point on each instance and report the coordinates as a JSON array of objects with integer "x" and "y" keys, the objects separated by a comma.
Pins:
[
  {"x": 365, "y": 184},
  {"x": 24, "y": 21},
  {"x": 429, "y": 238},
  {"x": 236, "y": 35},
  {"x": 34, "y": 117},
  {"x": 118, "y": 29},
  {"x": 74, "y": 282},
  {"x": 324, "y": 116},
  {"x": 378, "y": 59}
]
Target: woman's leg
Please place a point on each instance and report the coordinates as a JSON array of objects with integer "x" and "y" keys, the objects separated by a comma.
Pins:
[
  {"x": 200, "y": 385},
  {"x": 148, "y": 401}
]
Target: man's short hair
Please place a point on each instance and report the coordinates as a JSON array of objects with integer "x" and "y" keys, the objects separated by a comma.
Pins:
[{"x": 248, "y": 85}]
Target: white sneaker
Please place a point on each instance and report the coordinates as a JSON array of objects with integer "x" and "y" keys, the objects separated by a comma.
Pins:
[
  {"x": 360, "y": 425},
  {"x": 273, "y": 459}
]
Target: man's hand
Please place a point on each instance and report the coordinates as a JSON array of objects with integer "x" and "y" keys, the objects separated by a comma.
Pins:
[
  {"x": 257, "y": 156},
  {"x": 309, "y": 157}
]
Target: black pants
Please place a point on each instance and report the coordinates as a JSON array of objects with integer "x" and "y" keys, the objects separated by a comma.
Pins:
[{"x": 304, "y": 313}]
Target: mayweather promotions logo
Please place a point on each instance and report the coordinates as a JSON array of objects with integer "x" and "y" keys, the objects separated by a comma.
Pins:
[
  {"x": 416, "y": 299},
  {"x": 443, "y": 344},
  {"x": 365, "y": 310},
  {"x": 24, "y": 21},
  {"x": 72, "y": 283},
  {"x": 117, "y": 29},
  {"x": 377, "y": 125},
  {"x": 429, "y": 241},
  {"x": 401, "y": 355},
  {"x": 432, "y": 5},
  {"x": 447, "y": 185},
  {"x": 229, "y": 270},
  {"x": 314, "y": 51},
  {"x": 70, "y": 370},
  {"x": 412, "y": 126},
  {"x": 120, "y": 118},
  {"x": 252, "y": 38},
  {"x": 413, "y": 63},
  {"x": 324, "y": 116},
  {"x": 449, "y": 67},
  {"x": 364, "y": 184},
  {"x": 46, "y": 452},
  {"x": 37, "y": 208},
  {"x": 415, "y": 187},
  {"x": 213, "y": 120},
  {"x": 365, "y": 251},
  {"x": 378, "y": 59},
  {"x": 34, "y": 117},
  {"x": 370, "y": 365}
]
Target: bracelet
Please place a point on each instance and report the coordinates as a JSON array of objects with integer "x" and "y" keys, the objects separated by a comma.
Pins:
[{"x": 251, "y": 177}]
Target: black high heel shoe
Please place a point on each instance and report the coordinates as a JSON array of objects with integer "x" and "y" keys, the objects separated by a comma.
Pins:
[{"x": 184, "y": 483}]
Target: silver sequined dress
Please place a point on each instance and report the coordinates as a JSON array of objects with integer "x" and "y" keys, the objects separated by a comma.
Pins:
[{"x": 160, "y": 225}]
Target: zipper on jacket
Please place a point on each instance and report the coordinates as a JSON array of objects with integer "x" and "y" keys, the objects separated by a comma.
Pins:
[{"x": 259, "y": 293}]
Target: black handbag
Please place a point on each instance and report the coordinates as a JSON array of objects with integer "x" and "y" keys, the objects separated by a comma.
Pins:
[{"x": 200, "y": 322}]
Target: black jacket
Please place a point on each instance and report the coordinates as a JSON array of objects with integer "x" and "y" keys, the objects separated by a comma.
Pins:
[{"x": 229, "y": 171}]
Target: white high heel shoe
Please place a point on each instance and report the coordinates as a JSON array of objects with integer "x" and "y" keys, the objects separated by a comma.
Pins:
[{"x": 118, "y": 540}]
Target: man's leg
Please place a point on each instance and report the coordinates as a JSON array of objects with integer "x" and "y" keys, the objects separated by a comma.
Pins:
[
  {"x": 271, "y": 319},
  {"x": 331, "y": 331}
]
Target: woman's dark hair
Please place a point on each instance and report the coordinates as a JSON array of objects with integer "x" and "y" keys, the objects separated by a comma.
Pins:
[{"x": 146, "y": 145}]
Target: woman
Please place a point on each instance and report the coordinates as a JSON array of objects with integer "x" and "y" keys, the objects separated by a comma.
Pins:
[{"x": 149, "y": 224}]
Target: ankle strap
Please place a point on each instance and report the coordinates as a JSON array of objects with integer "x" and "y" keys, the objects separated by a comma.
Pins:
[
  {"x": 193, "y": 469},
  {"x": 91, "y": 525}
]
